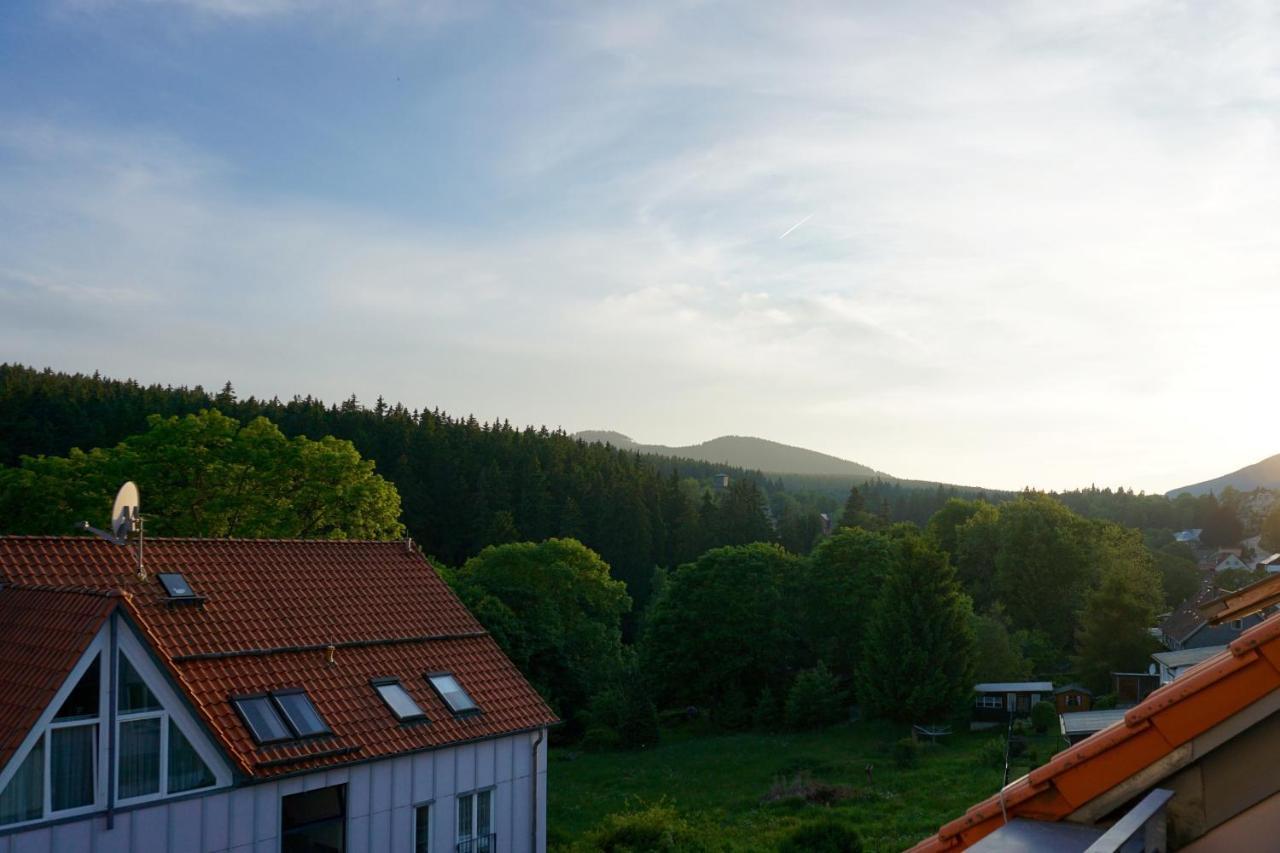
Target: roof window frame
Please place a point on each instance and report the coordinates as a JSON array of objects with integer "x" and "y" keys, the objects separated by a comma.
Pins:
[
  {"x": 288, "y": 719},
  {"x": 473, "y": 711},
  {"x": 235, "y": 701},
  {"x": 391, "y": 681}
]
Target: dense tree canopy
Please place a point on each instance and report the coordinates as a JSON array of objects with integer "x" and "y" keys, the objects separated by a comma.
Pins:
[
  {"x": 720, "y": 624},
  {"x": 1113, "y": 634},
  {"x": 556, "y": 612},
  {"x": 206, "y": 475}
]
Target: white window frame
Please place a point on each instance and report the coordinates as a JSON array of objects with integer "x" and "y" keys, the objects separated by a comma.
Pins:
[
  {"x": 429, "y": 805},
  {"x": 990, "y": 702},
  {"x": 167, "y": 702},
  {"x": 473, "y": 835},
  {"x": 46, "y": 723}
]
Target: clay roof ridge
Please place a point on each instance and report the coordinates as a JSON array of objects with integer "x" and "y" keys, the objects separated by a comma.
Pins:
[
  {"x": 64, "y": 537},
  {"x": 97, "y": 591}
]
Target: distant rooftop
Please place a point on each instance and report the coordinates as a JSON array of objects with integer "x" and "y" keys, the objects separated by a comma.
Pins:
[{"x": 1014, "y": 687}]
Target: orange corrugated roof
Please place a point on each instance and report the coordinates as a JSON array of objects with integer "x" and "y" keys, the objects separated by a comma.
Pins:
[
  {"x": 1205, "y": 696},
  {"x": 270, "y": 608},
  {"x": 43, "y": 632}
]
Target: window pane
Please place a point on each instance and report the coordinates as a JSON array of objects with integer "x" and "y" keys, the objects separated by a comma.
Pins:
[
  {"x": 71, "y": 765},
  {"x": 139, "y": 757},
  {"x": 314, "y": 821},
  {"x": 484, "y": 803},
  {"x": 452, "y": 693},
  {"x": 23, "y": 798},
  {"x": 83, "y": 701},
  {"x": 401, "y": 702},
  {"x": 301, "y": 714},
  {"x": 186, "y": 770},
  {"x": 264, "y": 723},
  {"x": 422, "y": 829},
  {"x": 134, "y": 693},
  {"x": 464, "y": 817},
  {"x": 299, "y": 810}
]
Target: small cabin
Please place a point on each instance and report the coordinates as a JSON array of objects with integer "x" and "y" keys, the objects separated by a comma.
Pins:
[
  {"x": 1072, "y": 698},
  {"x": 1132, "y": 687},
  {"x": 995, "y": 702}
]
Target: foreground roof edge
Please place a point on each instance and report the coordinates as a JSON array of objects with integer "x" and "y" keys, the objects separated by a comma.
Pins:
[{"x": 1208, "y": 694}]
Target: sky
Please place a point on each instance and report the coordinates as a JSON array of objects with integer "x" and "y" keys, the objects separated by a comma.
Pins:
[{"x": 999, "y": 244}]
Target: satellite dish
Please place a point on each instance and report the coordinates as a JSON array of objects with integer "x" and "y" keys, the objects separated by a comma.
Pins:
[
  {"x": 125, "y": 519},
  {"x": 124, "y": 512}
]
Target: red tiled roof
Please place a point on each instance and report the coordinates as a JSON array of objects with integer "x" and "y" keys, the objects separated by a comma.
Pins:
[
  {"x": 270, "y": 609},
  {"x": 43, "y": 632},
  {"x": 1205, "y": 696}
]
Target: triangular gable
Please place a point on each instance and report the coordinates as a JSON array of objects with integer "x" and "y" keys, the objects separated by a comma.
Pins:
[
  {"x": 147, "y": 710},
  {"x": 43, "y": 634}
]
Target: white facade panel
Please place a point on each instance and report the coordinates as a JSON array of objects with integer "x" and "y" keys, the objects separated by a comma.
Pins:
[{"x": 381, "y": 796}]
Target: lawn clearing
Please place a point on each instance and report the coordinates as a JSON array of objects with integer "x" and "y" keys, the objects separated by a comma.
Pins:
[{"x": 720, "y": 781}]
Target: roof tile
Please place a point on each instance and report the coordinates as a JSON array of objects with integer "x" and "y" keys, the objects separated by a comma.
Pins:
[{"x": 271, "y": 608}]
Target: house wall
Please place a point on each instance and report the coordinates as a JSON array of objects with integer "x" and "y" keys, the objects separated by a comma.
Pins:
[
  {"x": 1060, "y": 701},
  {"x": 381, "y": 796}
]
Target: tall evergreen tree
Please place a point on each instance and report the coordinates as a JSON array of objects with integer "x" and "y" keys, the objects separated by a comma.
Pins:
[{"x": 917, "y": 660}]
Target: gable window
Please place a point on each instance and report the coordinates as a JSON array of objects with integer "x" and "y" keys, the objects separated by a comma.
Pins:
[
  {"x": 1074, "y": 700},
  {"x": 457, "y": 699},
  {"x": 154, "y": 757},
  {"x": 314, "y": 821},
  {"x": 60, "y": 772},
  {"x": 475, "y": 823}
]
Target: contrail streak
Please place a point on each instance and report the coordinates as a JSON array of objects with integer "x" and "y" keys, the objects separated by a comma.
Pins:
[{"x": 794, "y": 227}]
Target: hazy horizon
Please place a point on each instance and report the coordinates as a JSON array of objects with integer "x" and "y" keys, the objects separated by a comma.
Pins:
[{"x": 1002, "y": 245}]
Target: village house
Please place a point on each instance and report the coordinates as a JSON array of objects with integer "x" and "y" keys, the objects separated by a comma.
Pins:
[
  {"x": 995, "y": 702},
  {"x": 1187, "y": 627},
  {"x": 1187, "y": 769},
  {"x": 256, "y": 696}
]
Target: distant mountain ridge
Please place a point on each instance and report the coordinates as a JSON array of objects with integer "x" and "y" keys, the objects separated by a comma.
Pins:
[
  {"x": 1264, "y": 475},
  {"x": 753, "y": 454}
]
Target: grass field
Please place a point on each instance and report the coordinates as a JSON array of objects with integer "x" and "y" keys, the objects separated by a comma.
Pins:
[{"x": 719, "y": 782}]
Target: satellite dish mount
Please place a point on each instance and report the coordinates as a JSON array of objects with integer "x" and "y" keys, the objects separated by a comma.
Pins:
[{"x": 125, "y": 519}]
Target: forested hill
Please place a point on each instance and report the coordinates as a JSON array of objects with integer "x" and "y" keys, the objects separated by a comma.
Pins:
[
  {"x": 1260, "y": 475},
  {"x": 758, "y": 454}
]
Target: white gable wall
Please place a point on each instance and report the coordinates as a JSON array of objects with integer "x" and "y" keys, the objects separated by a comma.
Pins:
[{"x": 380, "y": 799}]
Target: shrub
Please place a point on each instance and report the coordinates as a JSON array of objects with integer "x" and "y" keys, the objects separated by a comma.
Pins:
[
  {"x": 601, "y": 739},
  {"x": 991, "y": 753},
  {"x": 803, "y": 786},
  {"x": 823, "y": 836},
  {"x": 814, "y": 700},
  {"x": 1044, "y": 716},
  {"x": 906, "y": 753},
  {"x": 1105, "y": 702},
  {"x": 657, "y": 827},
  {"x": 767, "y": 714}
]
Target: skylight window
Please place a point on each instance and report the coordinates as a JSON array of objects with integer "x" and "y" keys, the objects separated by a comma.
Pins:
[
  {"x": 451, "y": 692},
  {"x": 176, "y": 585},
  {"x": 399, "y": 700},
  {"x": 299, "y": 713},
  {"x": 264, "y": 722}
]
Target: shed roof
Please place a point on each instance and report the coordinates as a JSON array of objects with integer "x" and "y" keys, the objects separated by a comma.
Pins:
[
  {"x": 1209, "y": 694},
  {"x": 1187, "y": 657},
  {"x": 1014, "y": 687},
  {"x": 270, "y": 610},
  {"x": 1077, "y": 722}
]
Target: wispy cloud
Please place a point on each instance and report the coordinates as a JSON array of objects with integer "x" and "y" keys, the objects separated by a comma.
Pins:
[{"x": 1043, "y": 247}]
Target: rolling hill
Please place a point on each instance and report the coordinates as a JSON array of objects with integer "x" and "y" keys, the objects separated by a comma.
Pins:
[
  {"x": 1264, "y": 474},
  {"x": 754, "y": 454}
]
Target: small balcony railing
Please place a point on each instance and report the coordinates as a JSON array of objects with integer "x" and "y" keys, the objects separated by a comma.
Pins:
[{"x": 479, "y": 844}]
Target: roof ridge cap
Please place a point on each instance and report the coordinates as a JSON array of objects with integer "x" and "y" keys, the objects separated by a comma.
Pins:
[{"x": 100, "y": 592}]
